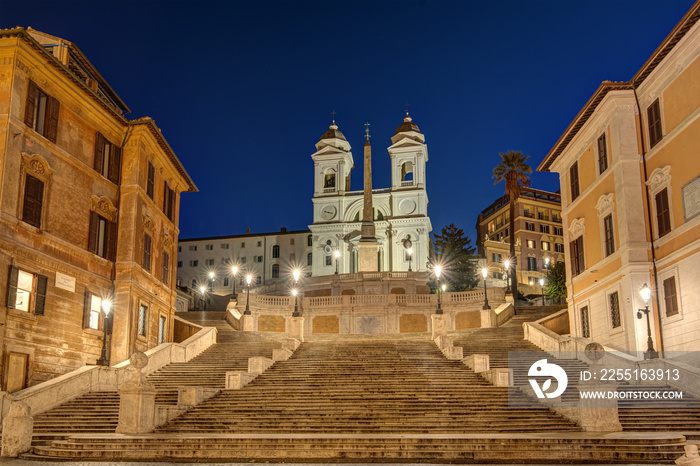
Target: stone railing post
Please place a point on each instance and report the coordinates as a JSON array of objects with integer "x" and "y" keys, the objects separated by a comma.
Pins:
[
  {"x": 598, "y": 415},
  {"x": 17, "y": 430},
  {"x": 439, "y": 325},
  {"x": 137, "y": 400},
  {"x": 296, "y": 328}
]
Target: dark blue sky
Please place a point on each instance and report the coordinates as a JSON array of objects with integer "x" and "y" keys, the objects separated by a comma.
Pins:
[{"x": 243, "y": 90}]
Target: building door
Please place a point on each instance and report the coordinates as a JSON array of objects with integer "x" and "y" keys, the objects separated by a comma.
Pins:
[{"x": 17, "y": 372}]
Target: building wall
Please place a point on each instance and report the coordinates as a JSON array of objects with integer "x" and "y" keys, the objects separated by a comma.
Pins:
[
  {"x": 43, "y": 342},
  {"x": 626, "y": 190}
]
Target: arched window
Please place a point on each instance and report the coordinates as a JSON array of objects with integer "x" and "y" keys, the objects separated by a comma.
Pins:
[
  {"x": 275, "y": 252},
  {"x": 407, "y": 174},
  {"x": 275, "y": 271},
  {"x": 309, "y": 259},
  {"x": 310, "y": 240},
  {"x": 329, "y": 180}
]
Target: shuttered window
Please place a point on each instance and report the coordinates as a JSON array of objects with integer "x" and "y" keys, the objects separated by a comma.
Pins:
[
  {"x": 670, "y": 296},
  {"x": 577, "y": 259},
  {"x": 91, "y": 311},
  {"x": 108, "y": 159},
  {"x": 26, "y": 291},
  {"x": 609, "y": 235},
  {"x": 151, "y": 180},
  {"x": 146, "y": 259},
  {"x": 41, "y": 112},
  {"x": 573, "y": 175},
  {"x": 602, "y": 154},
  {"x": 168, "y": 202},
  {"x": 143, "y": 319},
  {"x": 654, "y": 120},
  {"x": 33, "y": 201},
  {"x": 102, "y": 237},
  {"x": 165, "y": 271},
  {"x": 663, "y": 214}
]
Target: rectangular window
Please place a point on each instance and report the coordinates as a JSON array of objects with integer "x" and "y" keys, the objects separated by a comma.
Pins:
[
  {"x": 573, "y": 175},
  {"x": 224, "y": 245},
  {"x": 151, "y": 180},
  {"x": 102, "y": 237},
  {"x": 243, "y": 244},
  {"x": 654, "y": 120},
  {"x": 179, "y": 264},
  {"x": 161, "y": 329},
  {"x": 542, "y": 215},
  {"x": 258, "y": 259},
  {"x": 531, "y": 244},
  {"x": 531, "y": 263},
  {"x": 168, "y": 201},
  {"x": 329, "y": 260},
  {"x": 310, "y": 240},
  {"x": 670, "y": 296},
  {"x": 166, "y": 268},
  {"x": 193, "y": 248},
  {"x": 259, "y": 243},
  {"x": 209, "y": 247},
  {"x": 226, "y": 260},
  {"x": 275, "y": 271},
  {"x": 496, "y": 258},
  {"x": 602, "y": 154},
  {"x": 93, "y": 307},
  {"x": 258, "y": 280},
  {"x": 528, "y": 212},
  {"x": 309, "y": 259},
  {"x": 243, "y": 260},
  {"x": 292, "y": 258},
  {"x": 577, "y": 260},
  {"x": 558, "y": 247},
  {"x": 194, "y": 263},
  {"x": 26, "y": 291},
  {"x": 663, "y": 214},
  {"x": 225, "y": 281},
  {"x": 585, "y": 323},
  {"x": 291, "y": 241},
  {"x": 146, "y": 259},
  {"x": 33, "y": 201},
  {"x": 210, "y": 261},
  {"x": 559, "y": 231},
  {"x": 609, "y": 236},
  {"x": 544, "y": 229},
  {"x": 143, "y": 319},
  {"x": 108, "y": 158},
  {"x": 529, "y": 226},
  {"x": 615, "y": 310},
  {"x": 41, "y": 112},
  {"x": 545, "y": 245}
]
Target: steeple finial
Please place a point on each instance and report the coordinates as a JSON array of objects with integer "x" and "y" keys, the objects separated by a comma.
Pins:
[
  {"x": 367, "y": 132},
  {"x": 333, "y": 113},
  {"x": 407, "y": 105}
]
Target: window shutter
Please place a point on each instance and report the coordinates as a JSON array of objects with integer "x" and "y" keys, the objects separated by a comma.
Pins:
[
  {"x": 99, "y": 152},
  {"x": 52, "y": 119},
  {"x": 166, "y": 267},
  {"x": 111, "y": 241},
  {"x": 115, "y": 164},
  {"x": 574, "y": 257},
  {"x": 12, "y": 287},
  {"x": 93, "y": 232},
  {"x": 31, "y": 103},
  {"x": 150, "y": 181},
  {"x": 33, "y": 199},
  {"x": 41, "y": 285},
  {"x": 86, "y": 309}
]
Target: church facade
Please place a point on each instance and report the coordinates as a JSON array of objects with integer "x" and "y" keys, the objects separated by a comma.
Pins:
[{"x": 400, "y": 212}]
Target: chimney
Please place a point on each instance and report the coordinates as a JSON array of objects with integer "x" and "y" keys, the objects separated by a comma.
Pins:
[
  {"x": 283, "y": 229},
  {"x": 247, "y": 231}
]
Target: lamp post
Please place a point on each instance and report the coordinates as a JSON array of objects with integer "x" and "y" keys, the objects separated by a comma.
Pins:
[
  {"x": 248, "y": 279},
  {"x": 296, "y": 303},
  {"x": 438, "y": 271},
  {"x": 234, "y": 271},
  {"x": 485, "y": 272},
  {"x": 409, "y": 251},
  {"x": 106, "y": 307},
  {"x": 202, "y": 290},
  {"x": 542, "y": 288},
  {"x": 506, "y": 264},
  {"x": 336, "y": 254},
  {"x": 211, "y": 281},
  {"x": 650, "y": 353}
]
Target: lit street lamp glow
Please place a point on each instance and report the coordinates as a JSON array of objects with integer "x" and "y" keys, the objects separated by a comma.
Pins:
[
  {"x": 484, "y": 273},
  {"x": 248, "y": 279},
  {"x": 106, "y": 308},
  {"x": 645, "y": 292}
]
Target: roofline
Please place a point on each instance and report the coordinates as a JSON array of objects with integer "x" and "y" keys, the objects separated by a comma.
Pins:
[
  {"x": 245, "y": 235},
  {"x": 523, "y": 188},
  {"x": 676, "y": 34}
]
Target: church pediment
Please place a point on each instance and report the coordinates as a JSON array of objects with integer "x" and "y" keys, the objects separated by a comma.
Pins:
[{"x": 406, "y": 142}]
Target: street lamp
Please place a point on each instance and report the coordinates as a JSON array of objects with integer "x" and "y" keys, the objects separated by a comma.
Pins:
[
  {"x": 296, "y": 303},
  {"x": 234, "y": 271},
  {"x": 202, "y": 290},
  {"x": 248, "y": 279},
  {"x": 438, "y": 271},
  {"x": 542, "y": 287},
  {"x": 211, "y": 281},
  {"x": 106, "y": 307},
  {"x": 485, "y": 272},
  {"x": 506, "y": 264},
  {"x": 336, "y": 254},
  {"x": 650, "y": 353},
  {"x": 409, "y": 251}
]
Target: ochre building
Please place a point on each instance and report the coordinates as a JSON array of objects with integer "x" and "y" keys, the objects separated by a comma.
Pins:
[
  {"x": 88, "y": 213},
  {"x": 630, "y": 185}
]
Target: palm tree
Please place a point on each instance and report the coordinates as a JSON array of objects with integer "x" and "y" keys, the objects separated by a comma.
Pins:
[{"x": 514, "y": 171}]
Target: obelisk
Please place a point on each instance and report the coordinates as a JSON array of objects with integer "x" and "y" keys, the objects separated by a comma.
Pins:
[{"x": 368, "y": 245}]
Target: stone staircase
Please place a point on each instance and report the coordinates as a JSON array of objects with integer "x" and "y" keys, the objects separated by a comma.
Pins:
[{"x": 635, "y": 416}]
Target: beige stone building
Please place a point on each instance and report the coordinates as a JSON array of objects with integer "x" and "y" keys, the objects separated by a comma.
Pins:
[
  {"x": 88, "y": 212},
  {"x": 630, "y": 184},
  {"x": 539, "y": 240}
]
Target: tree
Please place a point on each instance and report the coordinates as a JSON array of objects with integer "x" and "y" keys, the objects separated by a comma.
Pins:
[
  {"x": 455, "y": 254},
  {"x": 514, "y": 171},
  {"x": 556, "y": 281}
]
